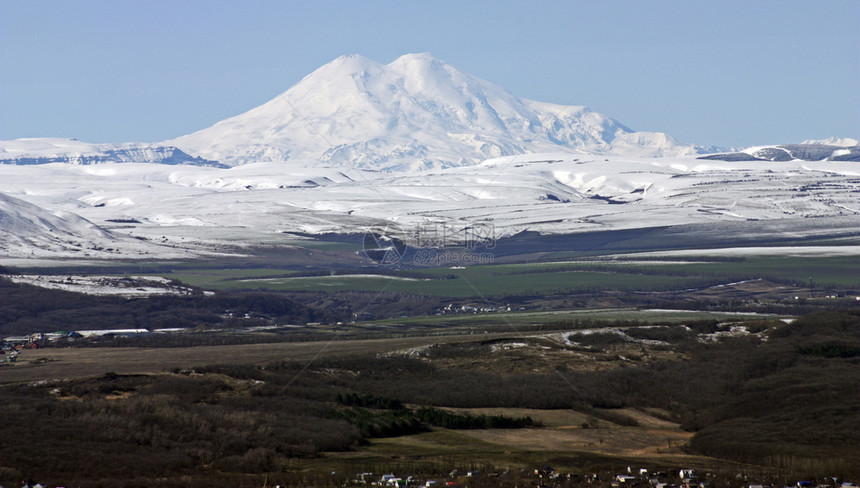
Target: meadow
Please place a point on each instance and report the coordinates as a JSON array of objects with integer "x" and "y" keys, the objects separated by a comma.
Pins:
[{"x": 541, "y": 278}]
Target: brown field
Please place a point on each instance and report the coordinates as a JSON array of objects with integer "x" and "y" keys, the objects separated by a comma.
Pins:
[
  {"x": 563, "y": 431},
  {"x": 51, "y": 363},
  {"x": 639, "y": 442},
  {"x": 561, "y": 438}
]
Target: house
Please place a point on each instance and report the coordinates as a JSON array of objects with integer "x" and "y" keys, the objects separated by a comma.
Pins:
[
  {"x": 113, "y": 332},
  {"x": 15, "y": 340}
]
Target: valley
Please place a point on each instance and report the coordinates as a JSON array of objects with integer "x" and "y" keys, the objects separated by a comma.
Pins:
[{"x": 623, "y": 359}]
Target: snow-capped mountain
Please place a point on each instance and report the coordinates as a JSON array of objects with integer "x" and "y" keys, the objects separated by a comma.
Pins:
[
  {"x": 71, "y": 151},
  {"x": 415, "y": 113}
]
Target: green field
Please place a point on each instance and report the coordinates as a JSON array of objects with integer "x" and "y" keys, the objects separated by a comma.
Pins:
[
  {"x": 542, "y": 278},
  {"x": 211, "y": 278},
  {"x": 482, "y": 282}
]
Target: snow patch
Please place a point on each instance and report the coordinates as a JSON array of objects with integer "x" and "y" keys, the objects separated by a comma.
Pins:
[{"x": 126, "y": 286}]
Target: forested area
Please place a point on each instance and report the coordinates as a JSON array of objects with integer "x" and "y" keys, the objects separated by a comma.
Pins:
[{"x": 25, "y": 309}]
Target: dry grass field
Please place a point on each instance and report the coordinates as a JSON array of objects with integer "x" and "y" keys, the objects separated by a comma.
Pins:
[
  {"x": 634, "y": 442},
  {"x": 562, "y": 441},
  {"x": 55, "y": 363},
  {"x": 569, "y": 430}
]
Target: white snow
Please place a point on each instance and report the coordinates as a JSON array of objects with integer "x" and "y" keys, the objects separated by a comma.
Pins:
[
  {"x": 59, "y": 209},
  {"x": 103, "y": 332},
  {"x": 126, "y": 286},
  {"x": 506, "y": 346},
  {"x": 834, "y": 141},
  {"x": 569, "y": 338},
  {"x": 335, "y": 279},
  {"x": 835, "y": 250}
]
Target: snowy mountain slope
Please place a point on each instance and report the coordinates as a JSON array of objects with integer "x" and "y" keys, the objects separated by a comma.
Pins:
[
  {"x": 27, "y": 228},
  {"x": 55, "y": 150},
  {"x": 414, "y": 113},
  {"x": 815, "y": 151},
  {"x": 28, "y": 231},
  {"x": 199, "y": 208}
]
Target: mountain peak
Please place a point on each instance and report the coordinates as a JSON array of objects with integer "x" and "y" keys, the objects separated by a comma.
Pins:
[
  {"x": 417, "y": 60},
  {"x": 350, "y": 62},
  {"x": 415, "y": 112},
  {"x": 341, "y": 67},
  {"x": 424, "y": 57}
]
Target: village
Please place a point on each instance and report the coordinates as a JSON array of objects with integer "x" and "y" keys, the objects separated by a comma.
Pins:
[
  {"x": 12, "y": 346},
  {"x": 547, "y": 477}
]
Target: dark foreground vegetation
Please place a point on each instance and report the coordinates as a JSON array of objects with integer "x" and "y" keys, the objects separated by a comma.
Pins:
[
  {"x": 384, "y": 417},
  {"x": 785, "y": 398},
  {"x": 26, "y": 309}
]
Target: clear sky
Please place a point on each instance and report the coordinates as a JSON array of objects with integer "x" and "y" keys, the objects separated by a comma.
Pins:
[{"x": 733, "y": 73}]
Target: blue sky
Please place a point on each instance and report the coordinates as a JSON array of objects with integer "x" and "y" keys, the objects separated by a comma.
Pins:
[{"x": 735, "y": 73}]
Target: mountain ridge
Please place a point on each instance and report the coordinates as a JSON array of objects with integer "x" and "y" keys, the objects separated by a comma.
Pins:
[
  {"x": 27, "y": 151},
  {"x": 815, "y": 151}
]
